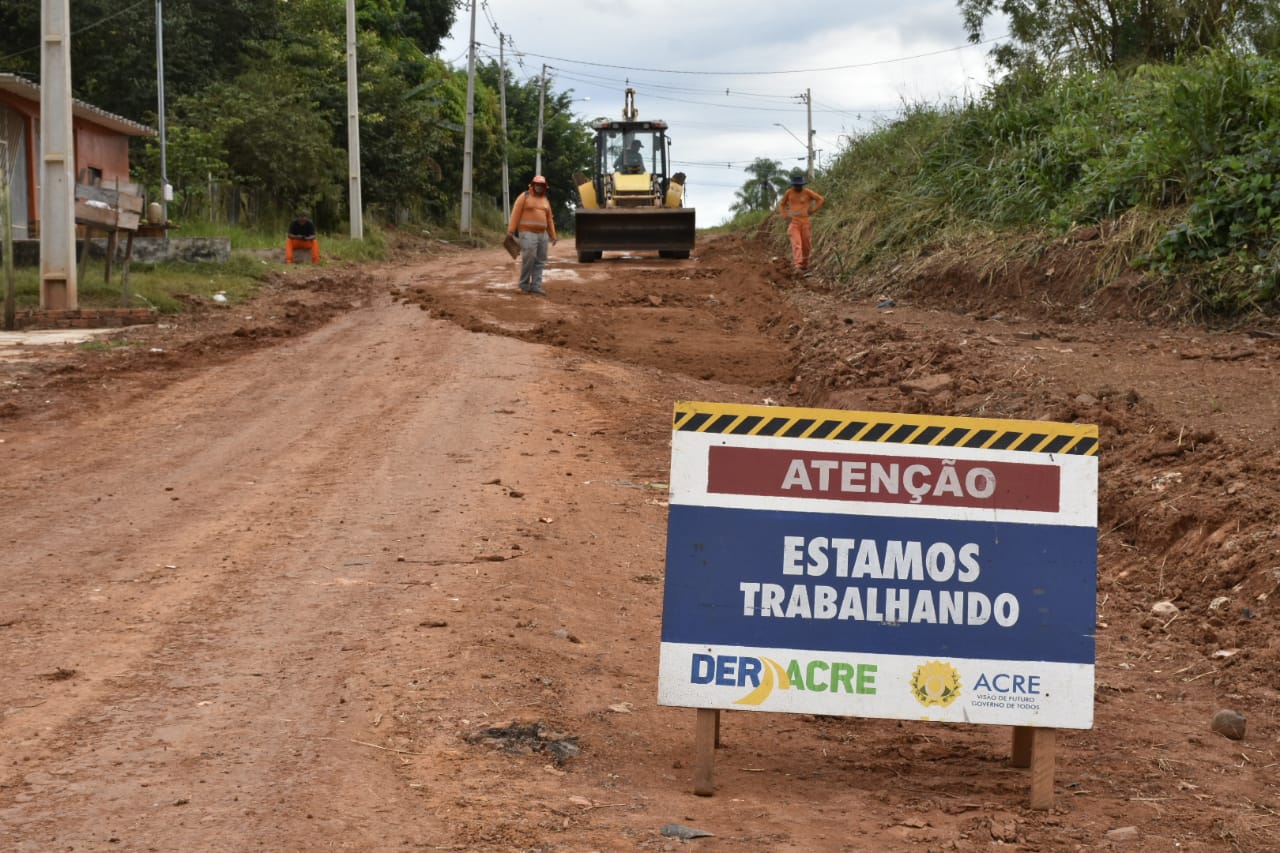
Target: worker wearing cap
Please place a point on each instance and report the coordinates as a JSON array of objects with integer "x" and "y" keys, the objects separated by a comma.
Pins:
[
  {"x": 797, "y": 204},
  {"x": 532, "y": 222}
]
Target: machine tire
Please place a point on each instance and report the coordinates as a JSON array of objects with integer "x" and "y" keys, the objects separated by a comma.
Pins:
[
  {"x": 588, "y": 257},
  {"x": 678, "y": 254}
]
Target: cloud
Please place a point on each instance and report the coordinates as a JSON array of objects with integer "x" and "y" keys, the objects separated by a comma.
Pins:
[{"x": 725, "y": 75}]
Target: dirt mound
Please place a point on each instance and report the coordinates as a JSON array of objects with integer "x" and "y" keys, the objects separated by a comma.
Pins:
[
  {"x": 723, "y": 317},
  {"x": 56, "y": 380}
]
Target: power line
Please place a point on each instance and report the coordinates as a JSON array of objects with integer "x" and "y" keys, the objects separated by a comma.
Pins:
[
  {"x": 83, "y": 29},
  {"x": 596, "y": 80},
  {"x": 728, "y": 164},
  {"x": 497, "y": 31},
  {"x": 488, "y": 16},
  {"x": 699, "y": 184},
  {"x": 595, "y": 76},
  {"x": 583, "y": 77},
  {"x": 769, "y": 73}
]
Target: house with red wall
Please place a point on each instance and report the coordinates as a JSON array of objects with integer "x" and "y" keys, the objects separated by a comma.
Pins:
[{"x": 101, "y": 148}]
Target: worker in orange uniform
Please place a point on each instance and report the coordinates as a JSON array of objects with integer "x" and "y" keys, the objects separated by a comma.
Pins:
[
  {"x": 302, "y": 235},
  {"x": 798, "y": 204},
  {"x": 532, "y": 222}
]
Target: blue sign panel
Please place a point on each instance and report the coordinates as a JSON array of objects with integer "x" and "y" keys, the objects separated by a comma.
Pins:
[{"x": 881, "y": 565}]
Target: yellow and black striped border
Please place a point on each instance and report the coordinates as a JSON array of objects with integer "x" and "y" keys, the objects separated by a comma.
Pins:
[{"x": 887, "y": 427}]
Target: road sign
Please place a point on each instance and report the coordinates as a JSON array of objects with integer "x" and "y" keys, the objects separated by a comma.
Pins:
[{"x": 881, "y": 565}]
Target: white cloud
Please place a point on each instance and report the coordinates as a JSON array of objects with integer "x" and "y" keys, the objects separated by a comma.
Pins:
[{"x": 859, "y": 61}]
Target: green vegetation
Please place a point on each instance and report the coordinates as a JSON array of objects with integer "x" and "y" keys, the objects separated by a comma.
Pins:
[
  {"x": 1157, "y": 121},
  {"x": 1050, "y": 35},
  {"x": 256, "y": 103},
  {"x": 159, "y": 286},
  {"x": 1152, "y": 123},
  {"x": 1182, "y": 159},
  {"x": 255, "y": 253},
  {"x": 762, "y": 190},
  {"x": 99, "y": 345}
]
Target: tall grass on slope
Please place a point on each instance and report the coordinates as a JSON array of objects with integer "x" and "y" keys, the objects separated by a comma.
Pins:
[
  {"x": 874, "y": 206},
  {"x": 1043, "y": 155}
]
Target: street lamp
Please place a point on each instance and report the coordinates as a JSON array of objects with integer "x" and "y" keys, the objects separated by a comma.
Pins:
[
  {"x": 808, "y": 146},
  {"x": 792, "y": 135},
  {"x": 573, "y": 110}
]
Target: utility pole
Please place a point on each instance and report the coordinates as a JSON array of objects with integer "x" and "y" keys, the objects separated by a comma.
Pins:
[
  {"x": 57, "y": 161},
  {"x": 808, "y": 105},
  {"x": 502, "y": 100},
  {"x": 354, "y": 201},
  {"x": 469, "y": 133},
  {"x": 166, "y": 191},
  {"x": 542, "y": 100},
  {"x": 6, "y": 242}
]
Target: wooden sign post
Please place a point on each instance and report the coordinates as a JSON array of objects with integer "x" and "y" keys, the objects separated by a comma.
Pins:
[
  {"x": 111, "y": 210},
  {"x": 869, "y": 564}
]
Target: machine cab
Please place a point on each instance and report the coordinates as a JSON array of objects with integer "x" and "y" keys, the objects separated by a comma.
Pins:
[
  {"x": 631, "y": 162},
  {"x": 634, "y": 151}
]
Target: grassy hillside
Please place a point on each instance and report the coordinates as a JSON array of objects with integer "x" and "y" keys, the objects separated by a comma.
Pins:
[{"x": 1178, "y": 166}]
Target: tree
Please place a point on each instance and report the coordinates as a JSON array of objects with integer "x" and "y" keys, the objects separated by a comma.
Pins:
[
  {"x": 1116, "y": 34},
  {"x": 257, "y": 104},
  {"x": 423, "y": 22},
  {"x": 113, "y": 49},
  {"x": 274, "y": 139},
  {"x": 567, "y": 143},
  {"x": 406, "y": 133},
  {"x": 761, "y": 192}
]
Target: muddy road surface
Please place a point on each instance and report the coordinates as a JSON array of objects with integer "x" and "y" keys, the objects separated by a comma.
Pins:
[{"x": 375, "y": 562}]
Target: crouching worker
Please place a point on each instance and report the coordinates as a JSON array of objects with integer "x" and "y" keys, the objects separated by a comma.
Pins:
[{"x": 302, "y": 235}]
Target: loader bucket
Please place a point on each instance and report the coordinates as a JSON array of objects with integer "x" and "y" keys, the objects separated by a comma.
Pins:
[{"x": 669, "y": 231}]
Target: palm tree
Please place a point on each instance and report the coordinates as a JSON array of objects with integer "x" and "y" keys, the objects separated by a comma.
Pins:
[{"x": 761, "y": 192}]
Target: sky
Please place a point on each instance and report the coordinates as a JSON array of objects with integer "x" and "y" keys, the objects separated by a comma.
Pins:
[{"x": 730, "y": 78}]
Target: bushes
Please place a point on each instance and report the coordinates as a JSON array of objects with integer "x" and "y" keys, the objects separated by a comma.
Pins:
[
  {"x": 1086, "y": 147},
  {"x": 1231, "y": 229}
]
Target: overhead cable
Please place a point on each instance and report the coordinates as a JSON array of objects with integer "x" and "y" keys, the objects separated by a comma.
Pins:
[
  {"x": 83, "y": 29},
  {"x": 769, "y": 73}
]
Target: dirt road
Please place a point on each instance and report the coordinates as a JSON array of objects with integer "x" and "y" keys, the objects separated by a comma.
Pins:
[{"x": 375, "y": 563}]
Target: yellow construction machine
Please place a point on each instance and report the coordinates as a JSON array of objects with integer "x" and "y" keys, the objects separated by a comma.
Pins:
[{"x": 633, "y": 202}]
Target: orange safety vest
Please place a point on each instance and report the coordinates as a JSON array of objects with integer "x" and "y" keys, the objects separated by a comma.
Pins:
[{"x": 532, "y": 213}]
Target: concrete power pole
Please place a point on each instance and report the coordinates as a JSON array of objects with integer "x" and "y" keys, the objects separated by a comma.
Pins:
[
  {"x": 808, "y": 106},
  {"x": 502, "y": 99},
  {"x": 542, "y": 101},
  {"x": 166, "y": 191},
  {"x": 355, "y": 204},
  {"x": 6, "y": 242},
  {"x": 57, "y": 161},
  {"x": 468, "y": 136}
]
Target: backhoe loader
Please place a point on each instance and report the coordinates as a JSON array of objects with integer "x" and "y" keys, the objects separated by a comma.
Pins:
[{"x": 632, "y": 202}]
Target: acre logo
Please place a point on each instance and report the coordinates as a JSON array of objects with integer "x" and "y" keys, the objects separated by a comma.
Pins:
[
  {"x": 935, "y": 683},
  {"x": 765, "y": 675}
]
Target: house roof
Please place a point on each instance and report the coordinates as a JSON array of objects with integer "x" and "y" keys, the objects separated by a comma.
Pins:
[{"x": 27, "y": 90}]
